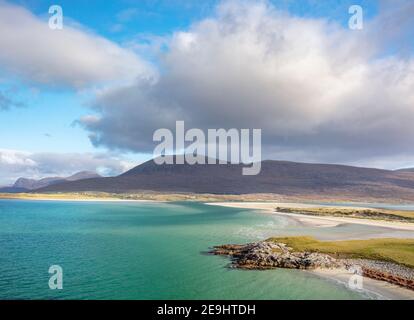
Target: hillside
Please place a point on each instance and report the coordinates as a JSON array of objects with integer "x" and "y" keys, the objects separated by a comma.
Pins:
[
  {"x": 406, "y": 170},
  {"x": 24, "y": 184},
  {"x": 277, "y": 177}
]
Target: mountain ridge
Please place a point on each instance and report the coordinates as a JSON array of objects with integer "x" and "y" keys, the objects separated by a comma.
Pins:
[
  {"x": 276, "y": 177},
  {"x": 25, "y": 184}
]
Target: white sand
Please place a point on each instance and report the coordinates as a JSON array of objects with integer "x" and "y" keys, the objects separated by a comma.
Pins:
[
  {"x": 315, "y": 220},
  {"x": 372, "y": 288}
]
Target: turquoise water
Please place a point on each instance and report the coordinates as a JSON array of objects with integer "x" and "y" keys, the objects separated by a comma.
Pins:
[{"x": 146, "y": 251}]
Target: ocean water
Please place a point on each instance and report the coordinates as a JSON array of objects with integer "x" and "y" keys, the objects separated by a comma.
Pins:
[{"x": 147, "y": 251}]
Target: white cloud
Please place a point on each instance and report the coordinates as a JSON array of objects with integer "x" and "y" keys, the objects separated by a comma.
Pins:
[
  {"x": 317, "y": 90},
  {"x": 310, "y": 85},
  {"x": 15, "y": 164},
  {"x": 71, "y": 57}
]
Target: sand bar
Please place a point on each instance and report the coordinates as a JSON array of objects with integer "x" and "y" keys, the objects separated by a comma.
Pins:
[{"x": 321, "y": 221}]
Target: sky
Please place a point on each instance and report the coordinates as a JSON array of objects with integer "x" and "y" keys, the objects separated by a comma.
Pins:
[{"x": 90, "y": 96}]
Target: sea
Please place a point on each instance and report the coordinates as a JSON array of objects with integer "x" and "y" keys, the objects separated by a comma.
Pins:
[{"x": 149, "y": 250}]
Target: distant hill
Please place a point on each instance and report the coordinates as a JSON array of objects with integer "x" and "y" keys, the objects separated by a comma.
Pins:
[
  {"x": 82, "y": 176},
  {"x": 12, "y": 190},
  {"x": 277, "y": 177},
  {"x": 24, "y": 185},
  {"x": 406, "y": 170},
  {"x": 32, "y": 184}
]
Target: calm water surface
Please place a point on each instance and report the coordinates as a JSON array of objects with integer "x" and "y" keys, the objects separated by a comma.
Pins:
[{"x": 148, "y": 251}]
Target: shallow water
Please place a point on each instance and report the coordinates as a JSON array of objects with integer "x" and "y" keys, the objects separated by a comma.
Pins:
[{"x": 148, "y": 251}]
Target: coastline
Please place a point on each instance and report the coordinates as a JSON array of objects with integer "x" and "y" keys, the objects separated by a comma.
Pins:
[
  {"x": 374, "y": 289},
  {"x": 80, "y": 200},
  {"x": 70, "y": 198},
  {"x": 270, "y": 207},
  {"x": 205, "y": 197},
  {"x": 390, "y": 281},
  {"x": 317, "y": 221}
]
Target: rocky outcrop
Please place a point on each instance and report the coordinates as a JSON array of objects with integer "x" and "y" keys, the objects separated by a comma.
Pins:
[{"x": 268, "y": 255}]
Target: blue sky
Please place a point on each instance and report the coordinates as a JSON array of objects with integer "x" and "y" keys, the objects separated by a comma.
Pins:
[
  {"x": 47, "y": 121},
  {"x": 41, "y": 116},
  {"x": 163, "y": 17},
  {"x": 52, "y": 112}
]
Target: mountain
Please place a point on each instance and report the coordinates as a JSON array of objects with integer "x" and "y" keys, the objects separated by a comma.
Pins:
[
  {"x": 32, "y": 184},
  {"x": 82, "y": 176},
  {"x": 12, "y": 190},
  {"x": 276, "y": 177},
  {"x": 406, "y": 170},
  {"x": 23, "y": 184}
]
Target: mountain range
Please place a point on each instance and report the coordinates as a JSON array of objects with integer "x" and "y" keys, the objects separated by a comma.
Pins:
[
  {"x": 24, "y": 184},
  {"x": 276, "y": 177}
]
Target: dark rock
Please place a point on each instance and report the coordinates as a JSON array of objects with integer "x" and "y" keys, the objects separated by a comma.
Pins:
[{"x": 269, "y": 255}]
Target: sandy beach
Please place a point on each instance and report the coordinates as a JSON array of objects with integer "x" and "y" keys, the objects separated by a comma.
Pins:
[
  {"x": 371, "y": 288},
  {"x": 374, "y": 289},
  {"x": 317, "y": 221}
]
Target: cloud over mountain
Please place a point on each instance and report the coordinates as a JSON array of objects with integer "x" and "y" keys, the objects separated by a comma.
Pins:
[
  {"x": 319, "y": 91},
  {"x": 315, "y": 88},
  {"x": 15, "y": 164}
]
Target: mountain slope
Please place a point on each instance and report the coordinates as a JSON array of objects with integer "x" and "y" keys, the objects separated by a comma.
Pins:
[
  {"x": 82, "y": 175},
  {"x": 278, "y": 177},
  {"x": 12, "y": 190},
  {"x": 23, "y": 184},
  {"x": 32, "y": 184},
  {"x": 406, "y": 170}
]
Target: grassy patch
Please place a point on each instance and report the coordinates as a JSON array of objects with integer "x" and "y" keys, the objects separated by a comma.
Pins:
[
  {"x": 400, "y": 251},
  {"x": 364, "y": 213}
]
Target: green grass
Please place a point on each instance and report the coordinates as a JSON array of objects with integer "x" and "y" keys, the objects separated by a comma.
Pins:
[
  {"x": 400, "y": 251},
  {"x": 364, "y": 213}
]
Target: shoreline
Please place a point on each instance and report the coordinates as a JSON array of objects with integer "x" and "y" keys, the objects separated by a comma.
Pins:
[
  {"x": 80, "y": 200},
  {"x": 378, "y": 288},
  {"x": 269, "y": 207},
  {"x": 72, "y": 198},
  {"x": 209, "y": 197},
  {"x": 375, "y": 279},
  {"x": 317, "y": 221},
  {"x": 374, "y": 289}
]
